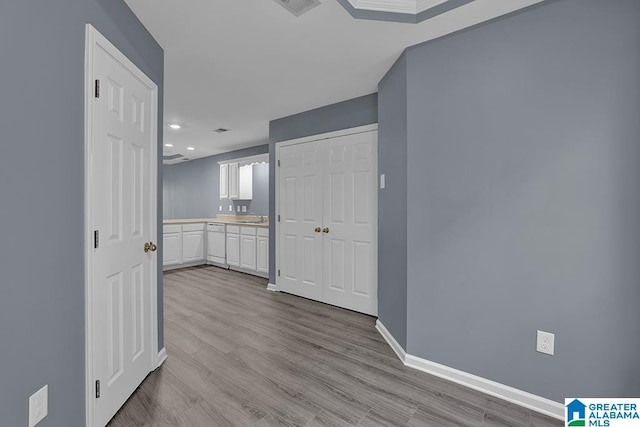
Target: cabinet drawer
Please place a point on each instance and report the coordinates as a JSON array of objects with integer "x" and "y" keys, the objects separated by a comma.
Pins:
[
  {"x": 233, "y": 229},
  {"x": 248, "y": 231},
  {"x": 216, "y": 227},
  {"x": 174, "y": 228},
  {"x": 263, "y": 231},
  {"x": 193, "y": 227}
]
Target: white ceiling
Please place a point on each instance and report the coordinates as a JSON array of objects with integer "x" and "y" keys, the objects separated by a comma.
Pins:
[{"x": 238, "y": 64}]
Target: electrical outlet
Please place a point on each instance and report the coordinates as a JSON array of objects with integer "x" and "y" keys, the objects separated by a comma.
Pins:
[
  {"x": 244, "y": 209},
  {"x": 545, "y": 342},
  {"x": 238, "y": 208},
  {"x": 230, "y": 208},
  {"x": 38, "y": 406}
]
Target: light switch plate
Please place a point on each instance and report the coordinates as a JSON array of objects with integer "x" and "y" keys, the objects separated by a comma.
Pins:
[
  {"x": 238, "y": 208},
  {"x": 38, "y": 406},
  {"x": 220, "y": 208},
  {"x": 244, "y": 209},
  {"x": 230, "y": 208}
]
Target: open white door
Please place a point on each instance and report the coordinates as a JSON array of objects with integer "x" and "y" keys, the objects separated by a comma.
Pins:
[{"x": 121, "y": 187}]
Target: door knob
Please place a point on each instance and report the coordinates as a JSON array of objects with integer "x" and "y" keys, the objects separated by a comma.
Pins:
[
  {"x": 153, "y": 247},
  {"x": 325, "y": 230},
  {"x": 147, "y": 246},
  {"x": 317, "y": 229}
]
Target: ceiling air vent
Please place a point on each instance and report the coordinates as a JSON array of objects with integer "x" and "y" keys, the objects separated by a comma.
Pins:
[{"x": 298, "y": 7}]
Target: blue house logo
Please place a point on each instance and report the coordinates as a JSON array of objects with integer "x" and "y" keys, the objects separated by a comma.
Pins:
[{"x": 576, "y": 413}]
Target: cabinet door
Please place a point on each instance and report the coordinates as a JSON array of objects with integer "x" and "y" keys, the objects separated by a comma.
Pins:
[
  {"x": 262, "y": 261},
  {"x": 192, "y": 246},
  {"x": 233, "y": 250},
  {"x": 172, "y": 249},
  {"x": 224, "y": 181},
  {"x": 234, "y": 188},
  {"x": 245, "y": 182},
  {"x": 248, "y": 252}
]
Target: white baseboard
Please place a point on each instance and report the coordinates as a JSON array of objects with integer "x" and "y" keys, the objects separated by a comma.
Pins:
[
  {"x": 162, "y": 356},
  {"x": 272, "y": 287},
  {"x": 395, "y": 345},
  {"x": 522, "y": 398}
]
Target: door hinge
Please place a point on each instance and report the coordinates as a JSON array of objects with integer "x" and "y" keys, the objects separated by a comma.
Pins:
[
  {"x": 278, "y": 163},
  {"x": 97, "y": 89},
  {"x": 98, "y": 389},
  {"x": 96, "y": 239},
  {"x": 278, "y": 218},
  {"x": 278, "y": 273}
]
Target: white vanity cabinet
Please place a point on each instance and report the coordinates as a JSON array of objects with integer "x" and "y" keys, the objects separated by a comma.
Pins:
[{"x": 238, "y": 247}]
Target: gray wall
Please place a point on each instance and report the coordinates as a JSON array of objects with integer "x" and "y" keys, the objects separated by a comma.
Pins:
[
  {"x": 342, "y": 115},
  {"x": 192, "y": 189},
  {"x": 392, "y": 201},
  {"x": 41, "y": 187},
  {"x": 523, "y": 201}
]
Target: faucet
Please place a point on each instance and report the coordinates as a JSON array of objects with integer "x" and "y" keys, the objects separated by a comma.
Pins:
[{"x": 259, "y": 216}]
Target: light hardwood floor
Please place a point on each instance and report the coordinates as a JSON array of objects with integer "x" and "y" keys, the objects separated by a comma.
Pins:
[{"x": 240, "y": 355}]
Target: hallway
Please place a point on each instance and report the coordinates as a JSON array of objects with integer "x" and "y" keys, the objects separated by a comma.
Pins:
[{"x": 242, "y": 356}]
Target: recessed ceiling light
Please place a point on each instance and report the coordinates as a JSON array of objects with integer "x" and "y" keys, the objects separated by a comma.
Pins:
[
  {"x": 190, "y": 148},
  {"x": 175, "y": 126},
  {"x": 168, "y": 145}
]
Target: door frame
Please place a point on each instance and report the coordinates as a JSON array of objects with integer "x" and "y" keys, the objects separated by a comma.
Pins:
[
  {"x": 303, "y": 140},
  {"x": 93, "y": 40}
]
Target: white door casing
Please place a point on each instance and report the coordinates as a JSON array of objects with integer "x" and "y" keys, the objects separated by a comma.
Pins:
[
  {"x": 329, "y": 181},
  {"x": 121, "y": 189}
]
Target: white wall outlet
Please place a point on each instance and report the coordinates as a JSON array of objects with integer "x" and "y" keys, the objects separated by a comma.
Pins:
[
  {"x": 230, "y": 208},
  {"x": 383, "y": 181},
  {"x": 545, "y": 342},
  {"x": 244, "y": 209},
  {"x": 38, "y": 406},
  {"x": 238, "y": 208},
  {"x": 220, "y": 208}
]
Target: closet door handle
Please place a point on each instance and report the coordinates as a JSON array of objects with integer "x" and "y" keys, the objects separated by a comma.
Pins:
[
  {"x": 325, "y": 230},
  {"x": 317, "y": 229}
]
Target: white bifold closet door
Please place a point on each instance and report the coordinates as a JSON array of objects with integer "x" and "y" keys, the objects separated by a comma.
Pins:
[{"x": 328, "y": 210}]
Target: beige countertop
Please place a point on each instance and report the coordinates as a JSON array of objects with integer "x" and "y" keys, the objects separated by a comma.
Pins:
[{"x": 222, "y": 219}]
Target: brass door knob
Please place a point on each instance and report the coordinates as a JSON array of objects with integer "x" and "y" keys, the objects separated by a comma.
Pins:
[
  {"x": 147, "y": 247},
  {"x": 153, "y": 247},
  {"x": 325, "y": 230},
  {"x": 317, "y": 229}
]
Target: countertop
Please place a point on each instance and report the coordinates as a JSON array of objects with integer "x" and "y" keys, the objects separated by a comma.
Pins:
[{"x": 222, "y": 219}]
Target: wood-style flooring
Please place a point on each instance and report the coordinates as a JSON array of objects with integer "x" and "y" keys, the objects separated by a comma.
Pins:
[{"x": 240, "y": 355}]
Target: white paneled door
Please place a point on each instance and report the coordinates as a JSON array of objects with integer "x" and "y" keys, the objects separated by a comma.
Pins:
[
  {"x": 328, "y": 210},
  {"x": 123, "y": 259}
]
